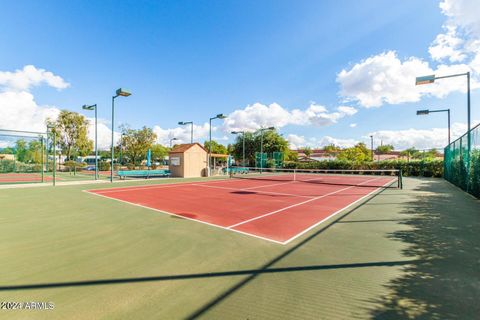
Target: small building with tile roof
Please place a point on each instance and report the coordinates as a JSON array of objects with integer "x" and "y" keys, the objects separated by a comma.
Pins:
[{"x": 188, "y": 160}]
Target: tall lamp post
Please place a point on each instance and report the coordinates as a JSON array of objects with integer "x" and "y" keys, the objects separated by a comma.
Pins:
[
  {"x": 119, "y": 93},
  {"x": 243, "y": 147},
  {"x": 94, "y": 107},
  {"x": 218, "y": 116},
  {"x": 182, "y": 123},
  {"x": 371, "y": 148},
  {"x": 173, "y": 139},
  {"x": 431, "y": 79},
  {"x": 425, "y": 112},
  {"x": 261, "y": 144},
  {"x": 54, "y": 171}
]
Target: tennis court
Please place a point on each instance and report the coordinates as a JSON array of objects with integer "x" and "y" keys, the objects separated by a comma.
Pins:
[
  {"x": 275, "y": 206},
  {"x": 14, "y": 177}
]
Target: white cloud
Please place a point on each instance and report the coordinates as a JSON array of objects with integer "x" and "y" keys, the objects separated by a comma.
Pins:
[
  {"x": 259, "y": 115},
  {"x": 29, "y": 76},
  {"x": 418, "y": 138},
  {"x": 296, "y": 142},
  {"x": 463, "y": 13},
  {"x": 387, "y": 79},
  {"x": 104, "y": 133},
  {"x": 384, "y": 78},
  {"x": 353, "y": 125},
  {"x": 19, "y": 111},
  {"x": 448, "y": 46},
  {"x": 183, "y": 133},
  {"x": 349, "y": 111}
]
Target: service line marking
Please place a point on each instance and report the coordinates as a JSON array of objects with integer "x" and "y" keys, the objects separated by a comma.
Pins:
[{"x": 294, "y": 205}]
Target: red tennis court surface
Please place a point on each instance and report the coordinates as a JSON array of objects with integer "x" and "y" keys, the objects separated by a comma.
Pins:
[
  {"x": 277, "y": 211},
  {"x": 23, "y": 177}
]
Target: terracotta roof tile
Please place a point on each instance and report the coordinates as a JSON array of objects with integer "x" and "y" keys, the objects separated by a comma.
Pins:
[{"x": 181, "y": 148}]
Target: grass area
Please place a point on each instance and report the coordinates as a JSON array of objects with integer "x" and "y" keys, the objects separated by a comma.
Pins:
[{"x": 409, "y": 253}]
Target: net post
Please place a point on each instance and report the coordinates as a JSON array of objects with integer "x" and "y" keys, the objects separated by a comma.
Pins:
[
  {"x": 400, "y": 179},
  {"x": 54, "y": 158},
  {"x": 43, "y": 155}
]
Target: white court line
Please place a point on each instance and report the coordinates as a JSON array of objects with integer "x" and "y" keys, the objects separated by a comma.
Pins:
[
  {"x": 293, "y": 205},
  {"x": 155, "y": 186},
  {"x": 167, "y": 185},
  {"x": 180, "y": 216},
  {"x": 336, "y": 212},
  {"x": 228, "y": 228},
  {"x": 246, "y": 189}
]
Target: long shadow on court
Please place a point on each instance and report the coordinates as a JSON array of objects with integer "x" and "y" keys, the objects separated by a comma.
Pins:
[
  {"x": 204, "y": 275},
  {"x": 201, "y": 311},
  {"x": 443, "y": 233},
  {"x": 252, "y": 273}
]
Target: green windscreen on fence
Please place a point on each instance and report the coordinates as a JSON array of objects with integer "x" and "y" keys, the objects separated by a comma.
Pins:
[
  {"x": 462, "y": 166},
  {"x": 278, "y": 159},
  {"x": 22, "y": 157}
]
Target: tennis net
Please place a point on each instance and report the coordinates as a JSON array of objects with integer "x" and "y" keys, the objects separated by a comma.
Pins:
[{"x": 367, "y": 178}]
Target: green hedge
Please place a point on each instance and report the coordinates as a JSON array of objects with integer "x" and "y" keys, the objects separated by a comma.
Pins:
[
  {"x": 475, "y": 173},
  {"x": 424, "y": 168},
  {"x": 103, "y": 166},
  {"x": 17, "y": 166}
]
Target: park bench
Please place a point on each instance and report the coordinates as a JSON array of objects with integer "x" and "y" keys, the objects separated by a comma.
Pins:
[
  {"x": 235, "y": 170},
  {"x": 143, "y": 173}
]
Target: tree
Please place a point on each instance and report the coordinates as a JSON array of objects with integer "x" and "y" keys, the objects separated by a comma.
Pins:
[
  {"x": 432, "y": 153},
  {"x": 136, "y": 143},
  {"x": 384, "y": 149},
  {"x": 34, "y": 152},
  {"x": 291, "y": 155},
  {"x": 411, "y": 153},
  {"x": 7, "y": 150},
  {"x": 21, "y": 149},
  {"x": 272, "y": 142},
  {"x": 331, "y": 150},
  {"x": 159, "y": 152},
  {"x": 216, "y": 147},
  {"x": 307, "y": 151},
  {"x": 358, "y": 153},
  {"x": 71, "y": 130}
]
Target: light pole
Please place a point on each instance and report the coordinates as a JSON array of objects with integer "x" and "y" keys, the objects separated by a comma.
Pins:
[
  {"x": 431, "y": 79},
  {"x": 243, "y": 148},
  {"x": 54, "y": 132},
  {"x": 218, "y": 116},
  {"x": 123, "y": 93},
  {"x": 261, "y": 144},
  {"x": 425, "y": 112},
  {"x": 94, "y": 107},
  {"x": 371, "y": 148},
  {"x": 173, "y": 139},
  {"x": 182, "y": 123}
]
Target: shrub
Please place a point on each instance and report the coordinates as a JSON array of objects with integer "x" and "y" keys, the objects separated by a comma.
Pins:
[
  {"x": 425, "y": 168},
  {"x": 104, "y": 166}
]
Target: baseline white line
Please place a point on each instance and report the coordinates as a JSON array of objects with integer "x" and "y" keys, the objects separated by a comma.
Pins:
[
  {"x": 293, "y": 205},
  {"x": 180, "y": 216},
  {"x": 246, "y": 189},
  {"x": 336, "y": 212},
  {"x": 155, "y": 186},
  {"x": 218, "y": 226}
]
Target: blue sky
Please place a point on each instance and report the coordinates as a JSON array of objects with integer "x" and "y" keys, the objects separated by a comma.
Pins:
[{"x": 188, "y": 60}]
